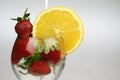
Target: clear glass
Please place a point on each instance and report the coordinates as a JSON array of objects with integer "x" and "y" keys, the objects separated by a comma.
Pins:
[{"x": 56, "y": 70}]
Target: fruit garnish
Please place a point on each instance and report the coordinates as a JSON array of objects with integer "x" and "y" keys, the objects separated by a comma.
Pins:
[
  {"x": 52, "y": 56},
  {"x": 19, "y": 49},
  {"x": 39, "y": 67},
  {"x": 31, "y": 54},
  {"x": 60, "y": 22},
  {"x": 47, "y": 51},
  {"x": 23, "y": 27},
  {"x": 49, "y": 44},
  {"x": 24, "y": 17},
  {"x": 57, "y": 32},
  {"x": 22, "y": 48}
]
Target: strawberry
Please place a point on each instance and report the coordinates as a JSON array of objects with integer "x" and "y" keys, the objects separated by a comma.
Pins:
[
  {"x": 22, "y": 48},
  {"x": 52, "y": 56},
  {"x": 39, "y": 68},
  {"x": 18, "y": 49},
  {"x": 24, "y": 27}
]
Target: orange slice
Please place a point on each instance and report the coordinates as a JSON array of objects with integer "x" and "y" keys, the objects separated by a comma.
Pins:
[{"x": 60, "y": 22}]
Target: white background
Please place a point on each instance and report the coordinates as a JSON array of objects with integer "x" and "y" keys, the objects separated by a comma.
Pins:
[{"x": 98, "y": 57}]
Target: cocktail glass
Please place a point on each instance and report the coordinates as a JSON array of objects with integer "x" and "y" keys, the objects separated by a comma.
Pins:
[{"x": 23, "y": 74}]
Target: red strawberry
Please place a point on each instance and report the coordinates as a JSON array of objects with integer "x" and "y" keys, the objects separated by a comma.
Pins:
[
  {"x": 16, "y": 56},
  {"x": 22, "y": 48},
  {"x": 52, "y": 56},
  {"x": 23, "y": 28},
  {"x": 39, "y": 68},
  {"x": 18, "y": 48}
]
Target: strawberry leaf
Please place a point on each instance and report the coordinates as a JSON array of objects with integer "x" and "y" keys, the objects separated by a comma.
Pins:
[
  {"x": 19, "y": 19},
  {"x": 28, "y": 61},
  {"x": 23, "y": 72},
  {"x": 24, "y": 67},
  {"x": 26, "y": 16},
  {"x": 35, "y": 56}
]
